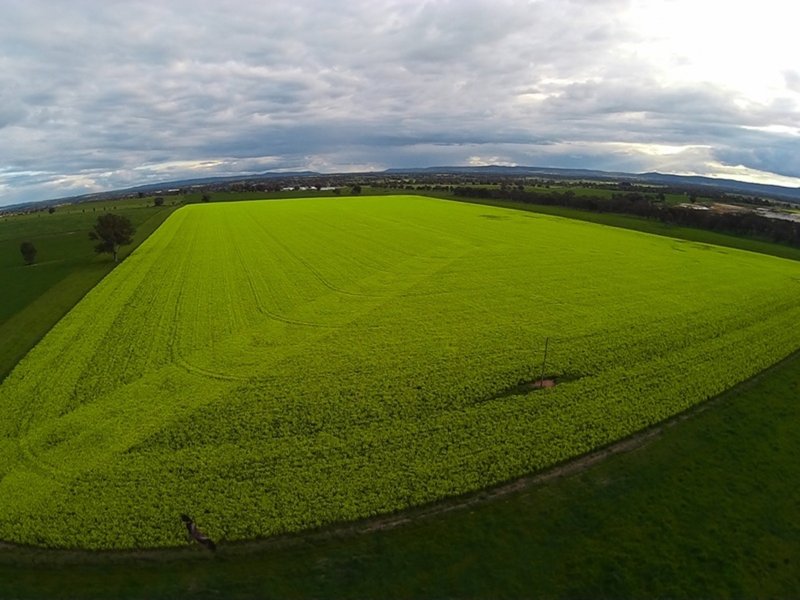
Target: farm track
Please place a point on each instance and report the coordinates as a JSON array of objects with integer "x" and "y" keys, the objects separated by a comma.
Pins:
[{"x": 11, "y": 553}]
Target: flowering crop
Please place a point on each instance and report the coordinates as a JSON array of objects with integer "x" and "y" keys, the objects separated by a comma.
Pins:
[{"x": 273, "y": 366}]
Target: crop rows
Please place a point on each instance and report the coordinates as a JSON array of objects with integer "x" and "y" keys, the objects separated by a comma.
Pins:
[{"x": 274, "y": 366}]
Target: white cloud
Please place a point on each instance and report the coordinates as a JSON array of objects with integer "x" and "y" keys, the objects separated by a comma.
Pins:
[{"x": 484, "y": 161}]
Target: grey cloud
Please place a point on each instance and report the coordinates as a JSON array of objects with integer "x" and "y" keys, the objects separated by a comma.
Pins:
[
  {"x": 592, "y": 99},
  {"x": 11, "y": 114},
  {"x": 108, "y": 90},
  {"x": 763, "y": 151}
]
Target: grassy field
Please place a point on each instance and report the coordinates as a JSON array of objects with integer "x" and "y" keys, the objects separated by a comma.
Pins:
[
  {"x": 360, "y": 359},
  {"x": 35, "y": 297},
  {"x": 634, "y": 223}
]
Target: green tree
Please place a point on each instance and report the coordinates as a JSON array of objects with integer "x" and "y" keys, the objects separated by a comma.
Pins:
[
  {"x": 28, "y": 251},
  {"x": 112, "y": 231},
  {"x": 158, "y": 201}
]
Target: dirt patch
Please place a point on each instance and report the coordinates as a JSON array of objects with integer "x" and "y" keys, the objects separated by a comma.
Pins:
[
  {"x": 540, "y": 384},
  {"x": 527, "y": 387},
  {"x": 719, "y": 207}
]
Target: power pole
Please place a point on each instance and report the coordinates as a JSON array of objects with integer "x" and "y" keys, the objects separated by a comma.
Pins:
[{"x": 544, "y": 362}]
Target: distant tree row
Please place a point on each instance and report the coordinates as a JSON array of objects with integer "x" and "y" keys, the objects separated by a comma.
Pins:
[{"x": 642, "y": 205}]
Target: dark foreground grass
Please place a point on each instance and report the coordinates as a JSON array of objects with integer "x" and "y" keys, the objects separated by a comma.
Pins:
[{"x": 708, "y": 508}]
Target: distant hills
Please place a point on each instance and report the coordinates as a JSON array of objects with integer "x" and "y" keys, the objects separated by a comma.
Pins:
[
  {"x": 725, "y": 185},
  {"x": 777, "y": 192}
]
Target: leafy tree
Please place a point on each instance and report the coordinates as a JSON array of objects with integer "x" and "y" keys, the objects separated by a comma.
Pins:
[
  {"x": 206, "y": 198},
  {"x": 356, "y": 189},
  {"x": 112, "y": 231},
  {"x": 28, "y": 251},
  {"x": 51, "y": 210},
  {"x": 158, "y": 201}
]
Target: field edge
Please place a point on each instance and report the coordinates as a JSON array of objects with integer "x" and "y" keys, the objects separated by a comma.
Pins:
[{"x": 18, "y": 554}]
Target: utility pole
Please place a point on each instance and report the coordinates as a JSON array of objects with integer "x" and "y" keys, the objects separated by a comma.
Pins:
[{"x": 544, "y": 362}]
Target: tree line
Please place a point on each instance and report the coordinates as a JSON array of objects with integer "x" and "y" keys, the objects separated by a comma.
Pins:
[{"x": 636, "y": 204}]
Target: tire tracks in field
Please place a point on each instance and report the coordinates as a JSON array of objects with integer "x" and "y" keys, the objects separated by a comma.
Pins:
[
  {"x": 261, "y": 305},
  {"x": 314, "y": 271}
]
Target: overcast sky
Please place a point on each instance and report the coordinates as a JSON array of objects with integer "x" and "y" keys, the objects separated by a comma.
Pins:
[{"x": 104, "y": 94}]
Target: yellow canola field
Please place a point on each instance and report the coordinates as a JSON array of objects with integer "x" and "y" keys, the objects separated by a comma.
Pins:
[{"x": 273, "y": 366}]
